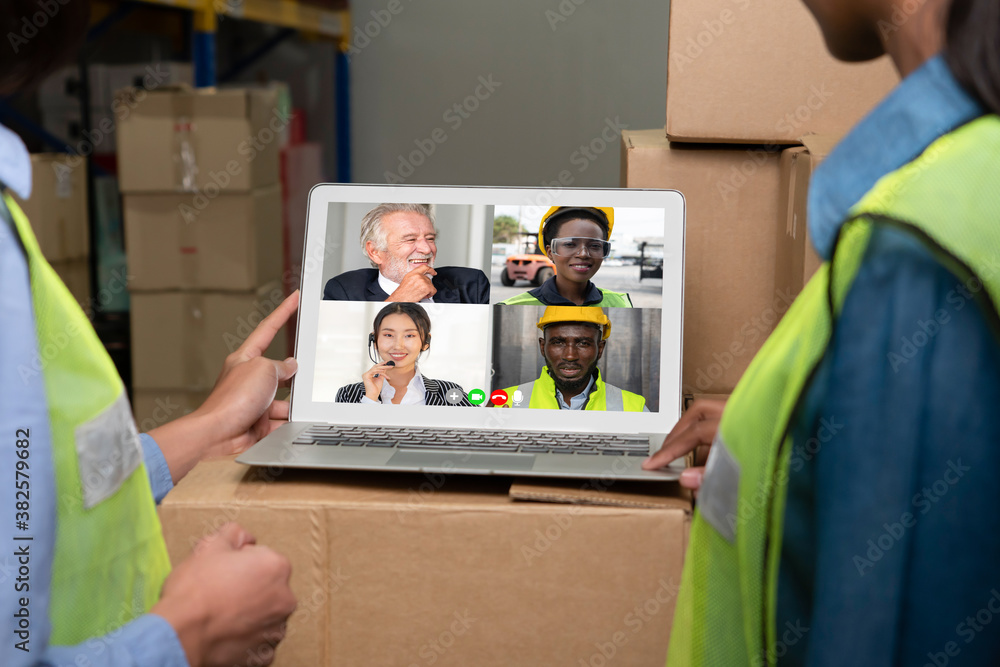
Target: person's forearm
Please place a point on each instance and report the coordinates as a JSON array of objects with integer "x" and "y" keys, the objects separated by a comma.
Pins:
[
  {"x": 149, "y": 641},
  {"x": 184, "y": 442}
]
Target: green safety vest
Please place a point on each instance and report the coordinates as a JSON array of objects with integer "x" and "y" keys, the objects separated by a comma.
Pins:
[
  {"x": 110, "y": 559},
  {"x": 541, "y": 394},
  {"x": 610, "y": 300},
  {"x": 949, "y": 198}
]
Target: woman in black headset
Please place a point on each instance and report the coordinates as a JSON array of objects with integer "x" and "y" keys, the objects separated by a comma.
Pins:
[{"x": 400, "y": 334}]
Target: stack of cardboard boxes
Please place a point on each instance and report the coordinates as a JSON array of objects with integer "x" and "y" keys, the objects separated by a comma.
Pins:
[
  {"x": 746, "y": 81},
  {"x": 202, "y": 207},
  {"x": 57, "y": 210}
]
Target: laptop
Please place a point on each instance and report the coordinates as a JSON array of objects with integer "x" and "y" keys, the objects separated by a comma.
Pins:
[{"x": 480, "y": 376}]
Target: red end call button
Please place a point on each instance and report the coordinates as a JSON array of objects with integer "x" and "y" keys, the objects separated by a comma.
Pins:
[{"x": 499, "y": 397}]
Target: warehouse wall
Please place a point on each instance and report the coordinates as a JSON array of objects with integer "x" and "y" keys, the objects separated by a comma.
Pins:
[{"x": 562, "y": 74}]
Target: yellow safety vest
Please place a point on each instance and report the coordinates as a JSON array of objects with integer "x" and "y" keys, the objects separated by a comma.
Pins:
[
  {"x": 541, "y": 394},
  {"x": 610, "y": 300},
  {"x": 110, "y": 559},
  {"x": 726, "y": 609}
]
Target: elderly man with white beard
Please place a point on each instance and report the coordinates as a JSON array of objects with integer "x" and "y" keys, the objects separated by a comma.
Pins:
[{"x": 400, "y": 242}]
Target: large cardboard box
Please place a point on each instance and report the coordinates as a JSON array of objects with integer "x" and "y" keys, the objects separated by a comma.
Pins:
[
  {"x": 797, "y": 259},
  {"x": 233, "y": 242},
  {"x": 180, "y": 339},
  {"x": 57, "y": 208},
  {"x": 731, "y": 298},
  {"x": 415, "y": 570},
  {"x": 204, "y": 141},
  {"x": 759, "y": 72}
]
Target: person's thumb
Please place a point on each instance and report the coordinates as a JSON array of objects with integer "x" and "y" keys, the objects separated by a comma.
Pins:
[
  {"x": 691, "y": 477},
  {"x": 286, "y": 369}
]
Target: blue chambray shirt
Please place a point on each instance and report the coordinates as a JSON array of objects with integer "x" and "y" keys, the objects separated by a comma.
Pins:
[
  {"x": 149, "y": 640},
  {"x": 891, "y": 549}
]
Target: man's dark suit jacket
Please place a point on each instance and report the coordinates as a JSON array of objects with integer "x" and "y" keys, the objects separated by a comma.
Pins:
[{"x": 454, "y": 284}]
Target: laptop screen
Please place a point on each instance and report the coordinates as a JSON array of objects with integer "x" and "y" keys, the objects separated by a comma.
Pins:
[{"x": 493, "y": 308}]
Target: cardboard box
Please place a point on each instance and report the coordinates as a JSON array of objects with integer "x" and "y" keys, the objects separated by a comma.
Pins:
[
  {"x": 797, "y": 259},
  {"x": 393, "y": 569},
  {"x": 759, "y": 72},
  {"x": 731, "y": 299},
  {"x": 156, "y": 407},
  {"x": 75, "y": 273},
  {"x": 233, "y": 243},
  {"x": 180, "y": 339},
  {"x": 204, "y": 141},
  {"x": 689, "y": 399},
  {"x": 57, "y": 208}
]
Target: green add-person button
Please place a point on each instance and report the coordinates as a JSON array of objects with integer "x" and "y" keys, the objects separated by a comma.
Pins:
[{"x": 477, "y": 397}]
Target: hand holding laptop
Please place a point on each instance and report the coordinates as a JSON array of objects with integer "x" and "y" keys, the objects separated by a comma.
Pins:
[
  {"x": 241, "y": 408},
  {"x": 694, "y": 432}
]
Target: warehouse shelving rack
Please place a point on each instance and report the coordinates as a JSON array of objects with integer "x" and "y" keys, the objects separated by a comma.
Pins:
[
  {"x": 288, "y": 14},
  {"x": 292, "y": 16}
]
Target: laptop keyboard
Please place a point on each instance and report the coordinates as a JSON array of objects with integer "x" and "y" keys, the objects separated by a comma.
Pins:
[{"x": 531, "y": 442}]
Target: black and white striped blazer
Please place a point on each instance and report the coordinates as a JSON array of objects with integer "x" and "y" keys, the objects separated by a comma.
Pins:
[{"x": 434, "y": 392}]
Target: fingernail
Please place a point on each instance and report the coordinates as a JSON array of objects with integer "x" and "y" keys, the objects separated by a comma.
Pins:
[{"x": 691, "y": 477}]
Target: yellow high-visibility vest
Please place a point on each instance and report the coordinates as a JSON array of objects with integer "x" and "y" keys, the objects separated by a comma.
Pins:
[
  {"x": 110, "y": 559},
  {"x": 726, "y": 610}
]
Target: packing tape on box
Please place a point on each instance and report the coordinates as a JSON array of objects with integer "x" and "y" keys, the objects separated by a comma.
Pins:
[
  {"x": 190, "y": 251},
  {"x": 193, "y": 341},
  {"x": 185, "y": 157}
]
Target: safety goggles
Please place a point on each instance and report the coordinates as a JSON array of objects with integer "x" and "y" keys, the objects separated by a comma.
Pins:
[{"x": 572, "y": 246}]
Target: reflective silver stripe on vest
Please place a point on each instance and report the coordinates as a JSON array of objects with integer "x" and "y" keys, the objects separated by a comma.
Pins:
[
  {"x": 613, "y": 398},
  {"x": 525, "y": 390}
]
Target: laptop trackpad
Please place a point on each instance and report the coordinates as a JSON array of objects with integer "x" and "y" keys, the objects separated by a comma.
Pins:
[{"x": 456, "y": 461}]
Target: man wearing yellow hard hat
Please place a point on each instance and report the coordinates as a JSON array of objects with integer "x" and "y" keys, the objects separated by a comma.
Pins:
[
  {"x": 577, "y": 240},
  {"x": 572, "y": 342}
]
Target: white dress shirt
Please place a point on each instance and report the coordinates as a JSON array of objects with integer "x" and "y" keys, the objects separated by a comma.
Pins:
[
  {"x": 416, "y": 393},
  {"x": 389, "y": 287}
]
